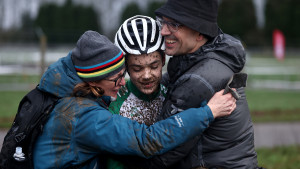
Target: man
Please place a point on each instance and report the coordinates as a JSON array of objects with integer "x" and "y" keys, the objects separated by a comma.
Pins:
[{"x": 204, "y": 59}]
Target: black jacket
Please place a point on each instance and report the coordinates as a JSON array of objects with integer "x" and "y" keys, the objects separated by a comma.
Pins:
[{"x": 193, "y": 78}]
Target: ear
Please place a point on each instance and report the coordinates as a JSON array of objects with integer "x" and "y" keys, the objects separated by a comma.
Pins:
[{"x": 200, "y": 37}]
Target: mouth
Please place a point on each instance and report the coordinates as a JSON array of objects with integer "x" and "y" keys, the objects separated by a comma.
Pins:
[
  {"x": 170, "y": 43},
  {"x": 148, "y": 85}
]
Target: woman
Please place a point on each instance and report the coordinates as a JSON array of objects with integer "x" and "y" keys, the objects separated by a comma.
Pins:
[{"x": 80, "y": 128}]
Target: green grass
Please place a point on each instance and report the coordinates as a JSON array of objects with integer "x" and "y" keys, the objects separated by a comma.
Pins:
[
  {"x": 19, "y": 79},
  {"x": 273, "y": 105},
  {"x": 279, "y": 157},
  {"x": 275, "y": 77},
  {"x": 9, "y": 102},
  {"x": 269, "y": 100},
  {"x": 259, "y": 61}
]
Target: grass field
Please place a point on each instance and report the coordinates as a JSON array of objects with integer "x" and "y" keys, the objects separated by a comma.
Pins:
[
  {"x": 9, "y": 102},
  {"x": 279, "y": 157},
  {"x": 274, "y": 105},
  {"x": 19, "y": 79}
]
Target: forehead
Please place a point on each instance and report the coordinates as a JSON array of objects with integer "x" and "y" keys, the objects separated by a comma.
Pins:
[{"x": 144, "y": 59}]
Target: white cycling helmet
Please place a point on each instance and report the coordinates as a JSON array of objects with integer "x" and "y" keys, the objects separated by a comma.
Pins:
[{"x": 139, "y": 35}]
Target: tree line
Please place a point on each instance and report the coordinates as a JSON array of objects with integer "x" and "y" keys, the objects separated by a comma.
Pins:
[{"x": 64, "y": 24}]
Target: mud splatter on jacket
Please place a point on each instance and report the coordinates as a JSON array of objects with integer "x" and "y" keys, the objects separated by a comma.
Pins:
[
  {"x": 80, "y": 128},
  {"x": 192, "y": 78}
]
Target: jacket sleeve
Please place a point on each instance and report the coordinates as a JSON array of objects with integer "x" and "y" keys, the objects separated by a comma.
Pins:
[{"x": 100, "y": 131}]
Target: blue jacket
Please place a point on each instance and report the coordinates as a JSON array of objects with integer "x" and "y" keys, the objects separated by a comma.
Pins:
[{"x": 80, "y": 128}]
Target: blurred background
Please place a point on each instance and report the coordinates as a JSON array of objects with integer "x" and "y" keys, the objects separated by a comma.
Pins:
[{"x": 35, "y": 33}]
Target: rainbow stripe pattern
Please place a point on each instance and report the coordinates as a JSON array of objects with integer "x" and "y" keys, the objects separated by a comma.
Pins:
[{"x": 101, "y": 68}]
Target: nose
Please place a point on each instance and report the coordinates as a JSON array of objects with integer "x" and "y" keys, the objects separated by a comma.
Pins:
[
  {"x": 147, "y": 74},
  {"x": 165, "y": 30}
]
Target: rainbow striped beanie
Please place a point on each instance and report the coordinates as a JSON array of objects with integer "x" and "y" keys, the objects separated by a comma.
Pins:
[{"x": 95, "y": 57}]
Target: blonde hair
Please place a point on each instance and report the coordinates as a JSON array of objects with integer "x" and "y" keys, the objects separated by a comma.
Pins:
[{"x": 84, "y": 89}]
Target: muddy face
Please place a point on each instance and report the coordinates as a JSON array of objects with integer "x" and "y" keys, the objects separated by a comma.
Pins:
[{"x": 145, "y": 71}]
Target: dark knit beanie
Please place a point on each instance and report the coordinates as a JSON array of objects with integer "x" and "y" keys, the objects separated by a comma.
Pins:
[
  {"x": 199, "y": 15},
  {"x": 95, "y": 57}
]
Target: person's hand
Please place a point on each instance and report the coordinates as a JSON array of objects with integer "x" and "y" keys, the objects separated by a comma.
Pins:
[{"x": 222, "y": 105}]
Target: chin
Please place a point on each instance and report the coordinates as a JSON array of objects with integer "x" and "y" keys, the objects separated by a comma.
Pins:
[
  {"x": 114, "y": 96},
  {"x": 148, "y": 91},
  {"x": 169, "y": 52}
]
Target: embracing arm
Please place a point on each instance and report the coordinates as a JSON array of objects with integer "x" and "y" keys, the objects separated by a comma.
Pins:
[
  {"x": 115, "y": 134},
  {"x": 100, "y": 131},
  {"x": 220, "y": 105}
]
